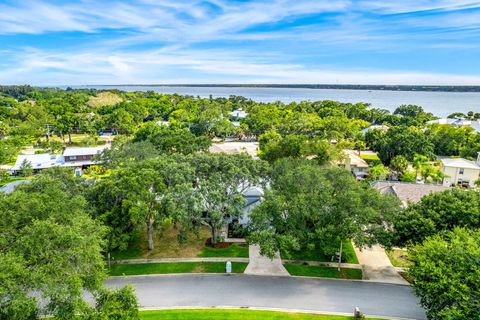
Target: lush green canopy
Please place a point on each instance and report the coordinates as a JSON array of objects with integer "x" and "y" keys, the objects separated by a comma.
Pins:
[
  {"x": 316, "y": 207},
  {"x": 446, "y": 274}
]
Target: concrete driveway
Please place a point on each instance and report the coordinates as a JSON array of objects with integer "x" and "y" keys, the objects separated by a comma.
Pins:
[
  {"x": 377, "y": 266},
  {"x": 335, "y": 296},
  {"x": 264, "y": 266}
]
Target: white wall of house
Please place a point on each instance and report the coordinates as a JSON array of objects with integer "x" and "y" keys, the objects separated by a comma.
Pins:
[{"x": 455, "y": 174}]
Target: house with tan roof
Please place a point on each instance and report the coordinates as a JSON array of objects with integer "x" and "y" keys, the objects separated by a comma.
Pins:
[
  {"x": 355, "y": 164},
  {"x": 408, "y": 192}
]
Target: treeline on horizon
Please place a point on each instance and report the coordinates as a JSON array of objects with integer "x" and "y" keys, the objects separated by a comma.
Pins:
[
  {"x": 439, "y": 88},
  {"x": 29, "y": 116}
]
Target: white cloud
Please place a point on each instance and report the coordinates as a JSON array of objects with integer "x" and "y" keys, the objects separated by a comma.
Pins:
[
  {"x": 213, "y": 66},
  {"x": 178, "y": 29}
]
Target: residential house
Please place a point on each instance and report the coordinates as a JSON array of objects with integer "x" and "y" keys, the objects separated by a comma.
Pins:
[
  {"x": 71, "y": 157},
  {"x": 457, "y": 122},
  {"x": 235, "y": 147},
  {"x": 459, "y": 171},
  {"x": 408, "y": 192},
  {"x": 253, "y": 197},
  {"x": 238, "y": 114},
  {"x": 375, "y": 127},
  {"x": 355, "y": 164}
]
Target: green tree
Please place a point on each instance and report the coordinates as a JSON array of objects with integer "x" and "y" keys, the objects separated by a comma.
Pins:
[
  {"x": 274, "y": 147},
  {"x": 140, "y": 196},
  {"x": 446, "y": 274},
  {"x": 26, "y": 168},
  {"x": 378, "y": 172},
  {"x": 399, "y": 164},
  {"x": 15, "y": 279},
  {"x": 119, "y": 305},
  {"x": 437, "y": 212},
  {"x": 412, "y": 115},
  {"x": 327, "y": 207},
  {"x": 168, "y": 139},
  {"x": 221, "y": 179},
  {"x": 52, "y": 247},
  {"x": 418, "y": 162},
  {"x": 405, "y": 141},
  {"x": 123, "y": 153}
]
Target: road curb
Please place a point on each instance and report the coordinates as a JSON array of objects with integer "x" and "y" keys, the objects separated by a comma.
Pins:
[{"x": 252, "y": 275}]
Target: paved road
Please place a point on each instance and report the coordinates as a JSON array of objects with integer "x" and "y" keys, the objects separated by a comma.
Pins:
[{"x": 274, "y": 292}]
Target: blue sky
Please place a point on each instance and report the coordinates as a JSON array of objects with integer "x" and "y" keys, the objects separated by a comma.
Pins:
[{"x": 220, "y": 41}]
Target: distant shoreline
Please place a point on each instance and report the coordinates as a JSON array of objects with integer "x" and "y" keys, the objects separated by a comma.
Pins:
[{"x": 443, "y": 88}]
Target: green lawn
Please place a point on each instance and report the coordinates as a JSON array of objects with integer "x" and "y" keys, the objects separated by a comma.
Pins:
[
  {"x": 315, "y": 255},
  {"x": 369, "y": 157},
  {"x": 398, "y": 257},
  {"x": 323, "y": 272},
  {"x": 224, "y": 314},
  {"x": 233, "y": 251},
  {"x": 174, "y": 267}
]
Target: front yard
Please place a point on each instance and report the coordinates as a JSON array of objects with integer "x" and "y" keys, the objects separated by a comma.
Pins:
[
  {"x": 225, "y": 314},
  {"x": 398, "y": 257},
  {"x": 323, "y": 272},
  {"x": 167, "y": 246},
  {"x": 348, "y": 255},
  {"x": 174, "y": 267}
]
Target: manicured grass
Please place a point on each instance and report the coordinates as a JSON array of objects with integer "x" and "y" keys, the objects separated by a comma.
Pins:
[
  {"x": 369, "y": 157},
  {"x": 235, "y": 250},
  {"x": 348, "y": 254},
  {"x": 224, "y": 314},
  {"x": 398, "y": 258},
  {"x": 322, "y": 272},
  {"x": 174, "y": 267}
]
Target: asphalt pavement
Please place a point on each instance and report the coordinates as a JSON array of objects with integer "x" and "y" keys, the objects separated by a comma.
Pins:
[{"x": 336, "y": 296}]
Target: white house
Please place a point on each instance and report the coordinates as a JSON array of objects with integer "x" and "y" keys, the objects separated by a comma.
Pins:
[
  {"x": 457, "y": 122},
  {"x": 375, "y": 127},
  {"x": 71, "y": 157},
  {"x": 238, "y": 114},
  {"x": 459, "y": 171},
  {"x": 253, "y": 197}
]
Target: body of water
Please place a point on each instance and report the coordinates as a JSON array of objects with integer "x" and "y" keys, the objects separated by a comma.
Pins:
[{"x": 439, "y": 103}]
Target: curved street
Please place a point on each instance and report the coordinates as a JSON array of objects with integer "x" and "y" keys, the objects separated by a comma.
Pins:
[{"x": 196, "y": 290}]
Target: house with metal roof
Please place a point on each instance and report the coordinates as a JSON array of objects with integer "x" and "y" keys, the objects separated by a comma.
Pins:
[
  {"x": 457, "y": 122},
  {"x": 375, "y": 127},
  {"x": 238, "y": 114},
  {"x": 71, "y": 157}
]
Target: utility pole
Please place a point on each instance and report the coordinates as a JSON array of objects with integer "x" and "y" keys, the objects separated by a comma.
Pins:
[{"x": 340, "y": 255}]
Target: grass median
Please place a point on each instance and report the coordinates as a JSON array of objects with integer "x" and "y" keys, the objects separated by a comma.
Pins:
[
  {"x": 174, "y": 267},
  {"x": 225, "y": 314},
  {"x": 323, "y": 272}
]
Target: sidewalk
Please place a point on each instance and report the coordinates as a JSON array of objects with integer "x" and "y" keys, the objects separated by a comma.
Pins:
[
  {"x": 377, "y": 267},
  {"x": 260, "y": 265}
]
